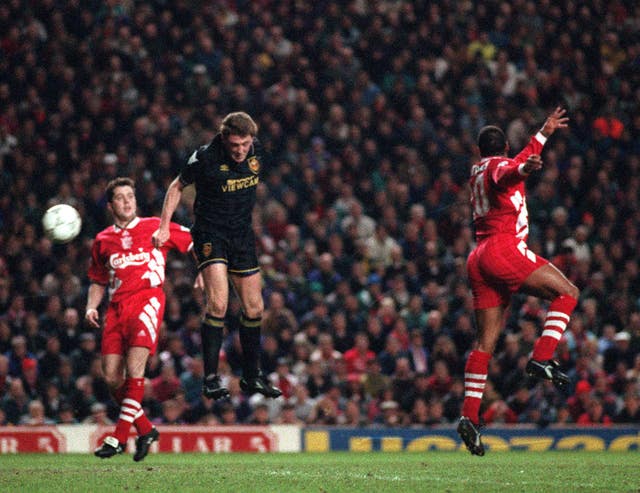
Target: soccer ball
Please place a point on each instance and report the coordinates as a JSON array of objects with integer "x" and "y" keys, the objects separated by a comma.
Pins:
[{"x": 61, "y": 223}]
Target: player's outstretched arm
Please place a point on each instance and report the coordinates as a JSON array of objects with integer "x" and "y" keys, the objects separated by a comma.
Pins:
[
  {"x": 555, "y": 120},
  {"x": 171, "y": 201}
]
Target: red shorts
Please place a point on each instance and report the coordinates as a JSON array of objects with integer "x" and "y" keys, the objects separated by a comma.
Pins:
[
  {"x": 497, "y": 267},
  {"x": 134, "y": 321}
]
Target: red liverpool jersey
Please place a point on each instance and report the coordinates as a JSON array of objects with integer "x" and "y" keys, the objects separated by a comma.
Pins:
[
  {"x": 498, "y": 194},
  {"x": 126, "y": 260}
]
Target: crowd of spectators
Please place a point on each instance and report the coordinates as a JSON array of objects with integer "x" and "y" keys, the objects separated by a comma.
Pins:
[{"x": 369, "y": 110}]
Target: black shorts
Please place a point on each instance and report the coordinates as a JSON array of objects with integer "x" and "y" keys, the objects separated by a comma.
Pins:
[{"x": 237, "y": 251}]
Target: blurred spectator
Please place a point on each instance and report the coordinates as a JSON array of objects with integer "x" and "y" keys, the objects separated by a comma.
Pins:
[
  {"x": 325, "y": 354},
  {"x": 594, "y": 414},
  {"x": 165, "y": 385},
  {"x": 36, "y": 415},
  {"x": 191, "y": 379},
  {"x": 260, "y": 415},
  {"x": 15, "y": 403},
  {"x": 171, "y": 413},
  {"x": 630, "y": 411},
  {"x": 98, "y": 415},
  {"x": 356, "y": 358},
  {"x": 288, "y": 416},
  {"x": 82, "y": 356},
  {"x": 17, "y": 354}
]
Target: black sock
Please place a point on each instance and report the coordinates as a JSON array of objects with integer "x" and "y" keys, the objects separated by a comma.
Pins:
[
  {"x": 250, "y": 340},
  {"x": 211, "y": 334}
]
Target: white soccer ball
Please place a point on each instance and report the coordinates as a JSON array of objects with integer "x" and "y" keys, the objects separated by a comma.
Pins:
[{"x": 61, "y": 223}]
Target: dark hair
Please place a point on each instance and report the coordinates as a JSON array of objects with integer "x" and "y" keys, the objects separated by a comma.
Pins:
[
  {"x": 121, "y": 181},
  {"x": 238, "y": 123},
  {"x": 491, "y": 141}
]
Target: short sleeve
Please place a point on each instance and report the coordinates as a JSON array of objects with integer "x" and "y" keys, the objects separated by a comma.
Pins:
[
  {"x": 190, "y": 170},
  {"x": 180, "y": 238},
  {"x": 98, "y": 271}
]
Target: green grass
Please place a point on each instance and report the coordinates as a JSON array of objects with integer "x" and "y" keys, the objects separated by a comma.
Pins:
[{"x": 326, "y": 472}]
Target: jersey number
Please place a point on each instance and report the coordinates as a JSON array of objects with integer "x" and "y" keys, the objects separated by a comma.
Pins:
[{"x": 479, "y": 196}]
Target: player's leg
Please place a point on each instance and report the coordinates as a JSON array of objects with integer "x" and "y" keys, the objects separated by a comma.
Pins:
[
  {"x": 489, "y": 302},
  {"x": 130, "y": 404},
  {"x": 249, "y": 290},
  {"x": 131, "y": 410},
  {"x": 113, "y": 369},
  {"x": 549, "y": 283},
  {"x": 216, "y": 285}
]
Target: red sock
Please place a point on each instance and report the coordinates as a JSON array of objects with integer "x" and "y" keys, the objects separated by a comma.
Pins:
[
  {"x": 475, "y": 377},
  {"x": 141, "y": 422},
  {"x": 555, "y": 324},
  {"x": 130, "y": 409}
]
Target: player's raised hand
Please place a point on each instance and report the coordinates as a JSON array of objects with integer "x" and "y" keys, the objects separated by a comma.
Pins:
[
  {"x": 533, "y": 163},
  {"x": 555, "y": 120},
  {"x": 159, "y": 237}
]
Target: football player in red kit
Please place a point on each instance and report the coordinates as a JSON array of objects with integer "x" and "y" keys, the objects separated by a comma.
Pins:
[
  {"x": 124, "y": 261},
  {"x": 501, "y": 264}
]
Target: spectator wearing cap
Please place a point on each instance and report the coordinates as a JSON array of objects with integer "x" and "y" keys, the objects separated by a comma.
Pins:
[
  {"x": 619, "y": 352},
  {"x": 31, "y": 383},
  {"x": 578, "y": 402},
  {"x": 391, "y": 415}
]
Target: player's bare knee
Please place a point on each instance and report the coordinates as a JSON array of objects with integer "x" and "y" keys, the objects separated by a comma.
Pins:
[
  {"x": 113, "y": 380},
  {"x": 254, "y": 310},
  {"x": 217, "y": 308},
  {"x": 572, "y": 290}
]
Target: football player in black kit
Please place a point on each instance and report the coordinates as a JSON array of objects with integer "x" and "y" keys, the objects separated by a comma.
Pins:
[{"x": 225, "y": 173}]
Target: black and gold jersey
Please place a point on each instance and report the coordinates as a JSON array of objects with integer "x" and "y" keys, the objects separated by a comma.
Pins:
[{"x": 225, "y": 189}]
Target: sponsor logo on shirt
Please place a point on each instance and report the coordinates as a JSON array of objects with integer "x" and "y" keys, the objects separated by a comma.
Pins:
[
  {"x": 124, "y": 260},
  {"x": 240, "y": 184}
]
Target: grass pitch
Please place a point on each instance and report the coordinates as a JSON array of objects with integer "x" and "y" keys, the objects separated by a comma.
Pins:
[{"x": 326, "y": 472}]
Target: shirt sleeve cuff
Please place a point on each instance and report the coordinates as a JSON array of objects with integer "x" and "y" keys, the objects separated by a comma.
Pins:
[
  {"x": 541, "y": 138},
  {"x": 521, "y": 169}
]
